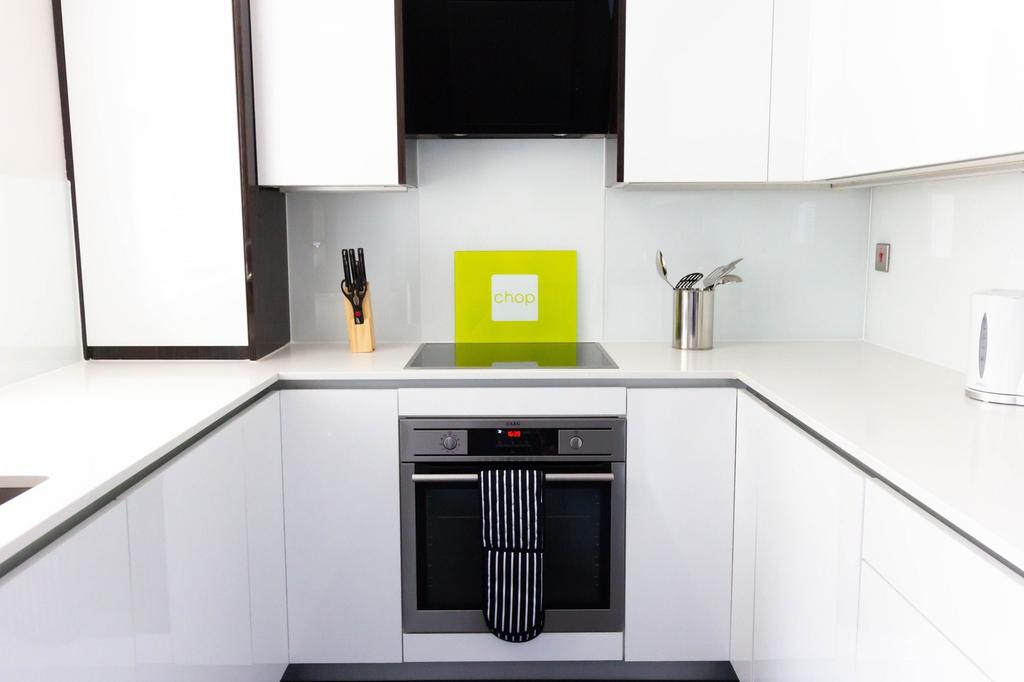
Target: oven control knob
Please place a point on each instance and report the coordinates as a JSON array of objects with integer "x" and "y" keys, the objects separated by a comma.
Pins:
[
  {"x": 449, "y": 442},
  {"x": 575, "y": 442}
]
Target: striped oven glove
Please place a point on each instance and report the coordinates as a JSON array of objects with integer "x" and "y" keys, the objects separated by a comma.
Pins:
[{"x": 512, "y": 503}]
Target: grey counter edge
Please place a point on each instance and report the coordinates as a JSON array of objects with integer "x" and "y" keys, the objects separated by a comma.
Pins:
[{"x": 52, "y": 535}]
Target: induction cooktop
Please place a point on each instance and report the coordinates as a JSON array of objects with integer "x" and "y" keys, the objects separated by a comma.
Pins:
[{"x": 587, "y": 355}]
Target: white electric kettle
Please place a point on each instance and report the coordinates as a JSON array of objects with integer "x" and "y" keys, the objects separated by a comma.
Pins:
[{"x": 995, "y": 370}]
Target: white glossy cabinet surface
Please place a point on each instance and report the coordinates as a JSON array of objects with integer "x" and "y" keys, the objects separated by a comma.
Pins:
[
  {"x": 697, "y": 83},
  {"x": 66, "y": 614},
  {"x": 264, "y": 502},
  {"x": 597, "y": 401},
  {"x": 680, "y": 459},
  {"x": 342, "y": 525},
  {"x": 154, "y": 128},
  {"x": 807, "y": 550},
  {"x": 326, "y": 93},
  {"x": 744, "y": 541},
  {"x": 189, "y": 559},
  {"x": 895, "y": 643},
  {"x": 973, "y": 600},
  {"x": 790, "y": 55},
  {"x": 904, "y": 84},
  {"x": 202, "y": 603}
]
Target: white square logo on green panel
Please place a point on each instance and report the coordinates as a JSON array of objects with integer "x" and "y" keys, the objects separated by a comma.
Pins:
[{"x": 514, "y": 298}]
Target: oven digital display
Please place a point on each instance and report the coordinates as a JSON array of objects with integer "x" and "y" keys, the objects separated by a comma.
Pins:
[{"x": 513, "y": 441}]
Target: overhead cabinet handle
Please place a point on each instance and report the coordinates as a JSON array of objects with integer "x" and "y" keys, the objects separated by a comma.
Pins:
[{"x": 464, "y": 478}]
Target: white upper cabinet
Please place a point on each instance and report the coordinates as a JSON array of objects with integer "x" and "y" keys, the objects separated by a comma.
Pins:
[
  {"x": 327, "y": 93},
  {"x": 697, "y": 82},
  {"x": 155, "y": 136},
  {"x": 806, "y": 558},
  {"x": 895, "y": 85},
  {"x": 790, "y": 55},
  {"x": 680, "y": 446}
]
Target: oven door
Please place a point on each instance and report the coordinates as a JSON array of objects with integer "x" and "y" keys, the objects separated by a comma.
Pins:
[{"x": 442, "y": 553}]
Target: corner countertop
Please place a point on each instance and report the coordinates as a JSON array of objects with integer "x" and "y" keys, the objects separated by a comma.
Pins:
[{"x": 92, "y": 426}]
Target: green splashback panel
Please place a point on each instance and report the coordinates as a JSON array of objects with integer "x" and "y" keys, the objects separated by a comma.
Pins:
[{"x": 515, "y": 296}]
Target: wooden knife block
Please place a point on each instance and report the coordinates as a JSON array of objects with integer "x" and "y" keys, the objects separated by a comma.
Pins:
[{"x": 361, "y": 337}]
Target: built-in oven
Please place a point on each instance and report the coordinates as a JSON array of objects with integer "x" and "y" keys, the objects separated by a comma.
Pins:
[{"x": 583, "y": 462}]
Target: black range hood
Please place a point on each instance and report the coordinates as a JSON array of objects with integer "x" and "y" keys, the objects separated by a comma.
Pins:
[{"x": 509, "y": 68}]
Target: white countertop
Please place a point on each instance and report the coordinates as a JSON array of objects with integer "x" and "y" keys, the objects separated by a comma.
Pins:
[{"x": 91, "y": 426}]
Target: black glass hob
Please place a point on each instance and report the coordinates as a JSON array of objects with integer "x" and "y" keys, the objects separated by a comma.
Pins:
[{"x": 587, "y": 355}]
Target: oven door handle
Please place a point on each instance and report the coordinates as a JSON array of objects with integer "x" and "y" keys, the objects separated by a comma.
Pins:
[{"x": 462, "y": 478}]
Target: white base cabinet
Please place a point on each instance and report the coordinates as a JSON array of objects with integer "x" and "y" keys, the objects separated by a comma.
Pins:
[
  {"x": 895, "y": 643},
  {"x": 342, "y": 525},
  {"x": 206, "y": 574},
  {"x": 974, "y": 601},
  {"x": 66, "y": 614},
  {"x": 680, "y": 461},
  {"x": 796, "y": 578}
]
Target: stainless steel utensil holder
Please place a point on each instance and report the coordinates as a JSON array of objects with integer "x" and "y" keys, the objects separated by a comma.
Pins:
[{"x": 693, "y": 319}]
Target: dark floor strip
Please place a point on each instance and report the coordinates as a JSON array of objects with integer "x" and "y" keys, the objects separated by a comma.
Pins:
[{"x": 561, "y": 671}]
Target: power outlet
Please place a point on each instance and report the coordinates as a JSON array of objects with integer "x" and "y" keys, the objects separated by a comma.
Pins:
[{"x": 882, "y": 257}]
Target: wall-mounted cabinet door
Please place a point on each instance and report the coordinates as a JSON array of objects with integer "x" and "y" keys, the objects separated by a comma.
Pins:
[
  {"x": 897, "y": 85},
  {"x": 697, "y": 83},
  {"x": 181, "y": 255},
  {"x": 66, "y": 613},
  {"x": 327, "y": 93},
  {"x": 806, "y": 558}
]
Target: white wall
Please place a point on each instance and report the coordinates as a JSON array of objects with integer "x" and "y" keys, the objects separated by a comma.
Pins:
[
  {"x": 39, "y": 320},
  {"x": 805, "y": 249},
  {"x": 949, "y": 239}
]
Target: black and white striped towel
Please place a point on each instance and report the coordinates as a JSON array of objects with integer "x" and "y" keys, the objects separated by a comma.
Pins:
[{"x": 512, "y": 503}]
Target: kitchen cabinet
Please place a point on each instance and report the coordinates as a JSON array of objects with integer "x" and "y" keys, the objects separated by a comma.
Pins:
[
  {"x": 65, "y": 614},
  {"x": 341, "y": 481},
  {"x": 696, "y": 91},
  {"x": 264, "y": 513},
  {"x": 205, "y": 541},
  {"x": 328, "y": 93},
  {"x": 744, "y": 546},
  {"x": 973, "y": 600},
  {"x": 787, "y": 118},
  {"x": 806, "y": 555},
  {"x": 909, "y": 84},
  {"x": 182, "y": 254},
  {"x": 679, "y": 491},
  {"x": 895, "y": 643}
]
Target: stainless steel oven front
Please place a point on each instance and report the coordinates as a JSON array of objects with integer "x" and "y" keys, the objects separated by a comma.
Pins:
[{"x": 584, "y": 464}]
